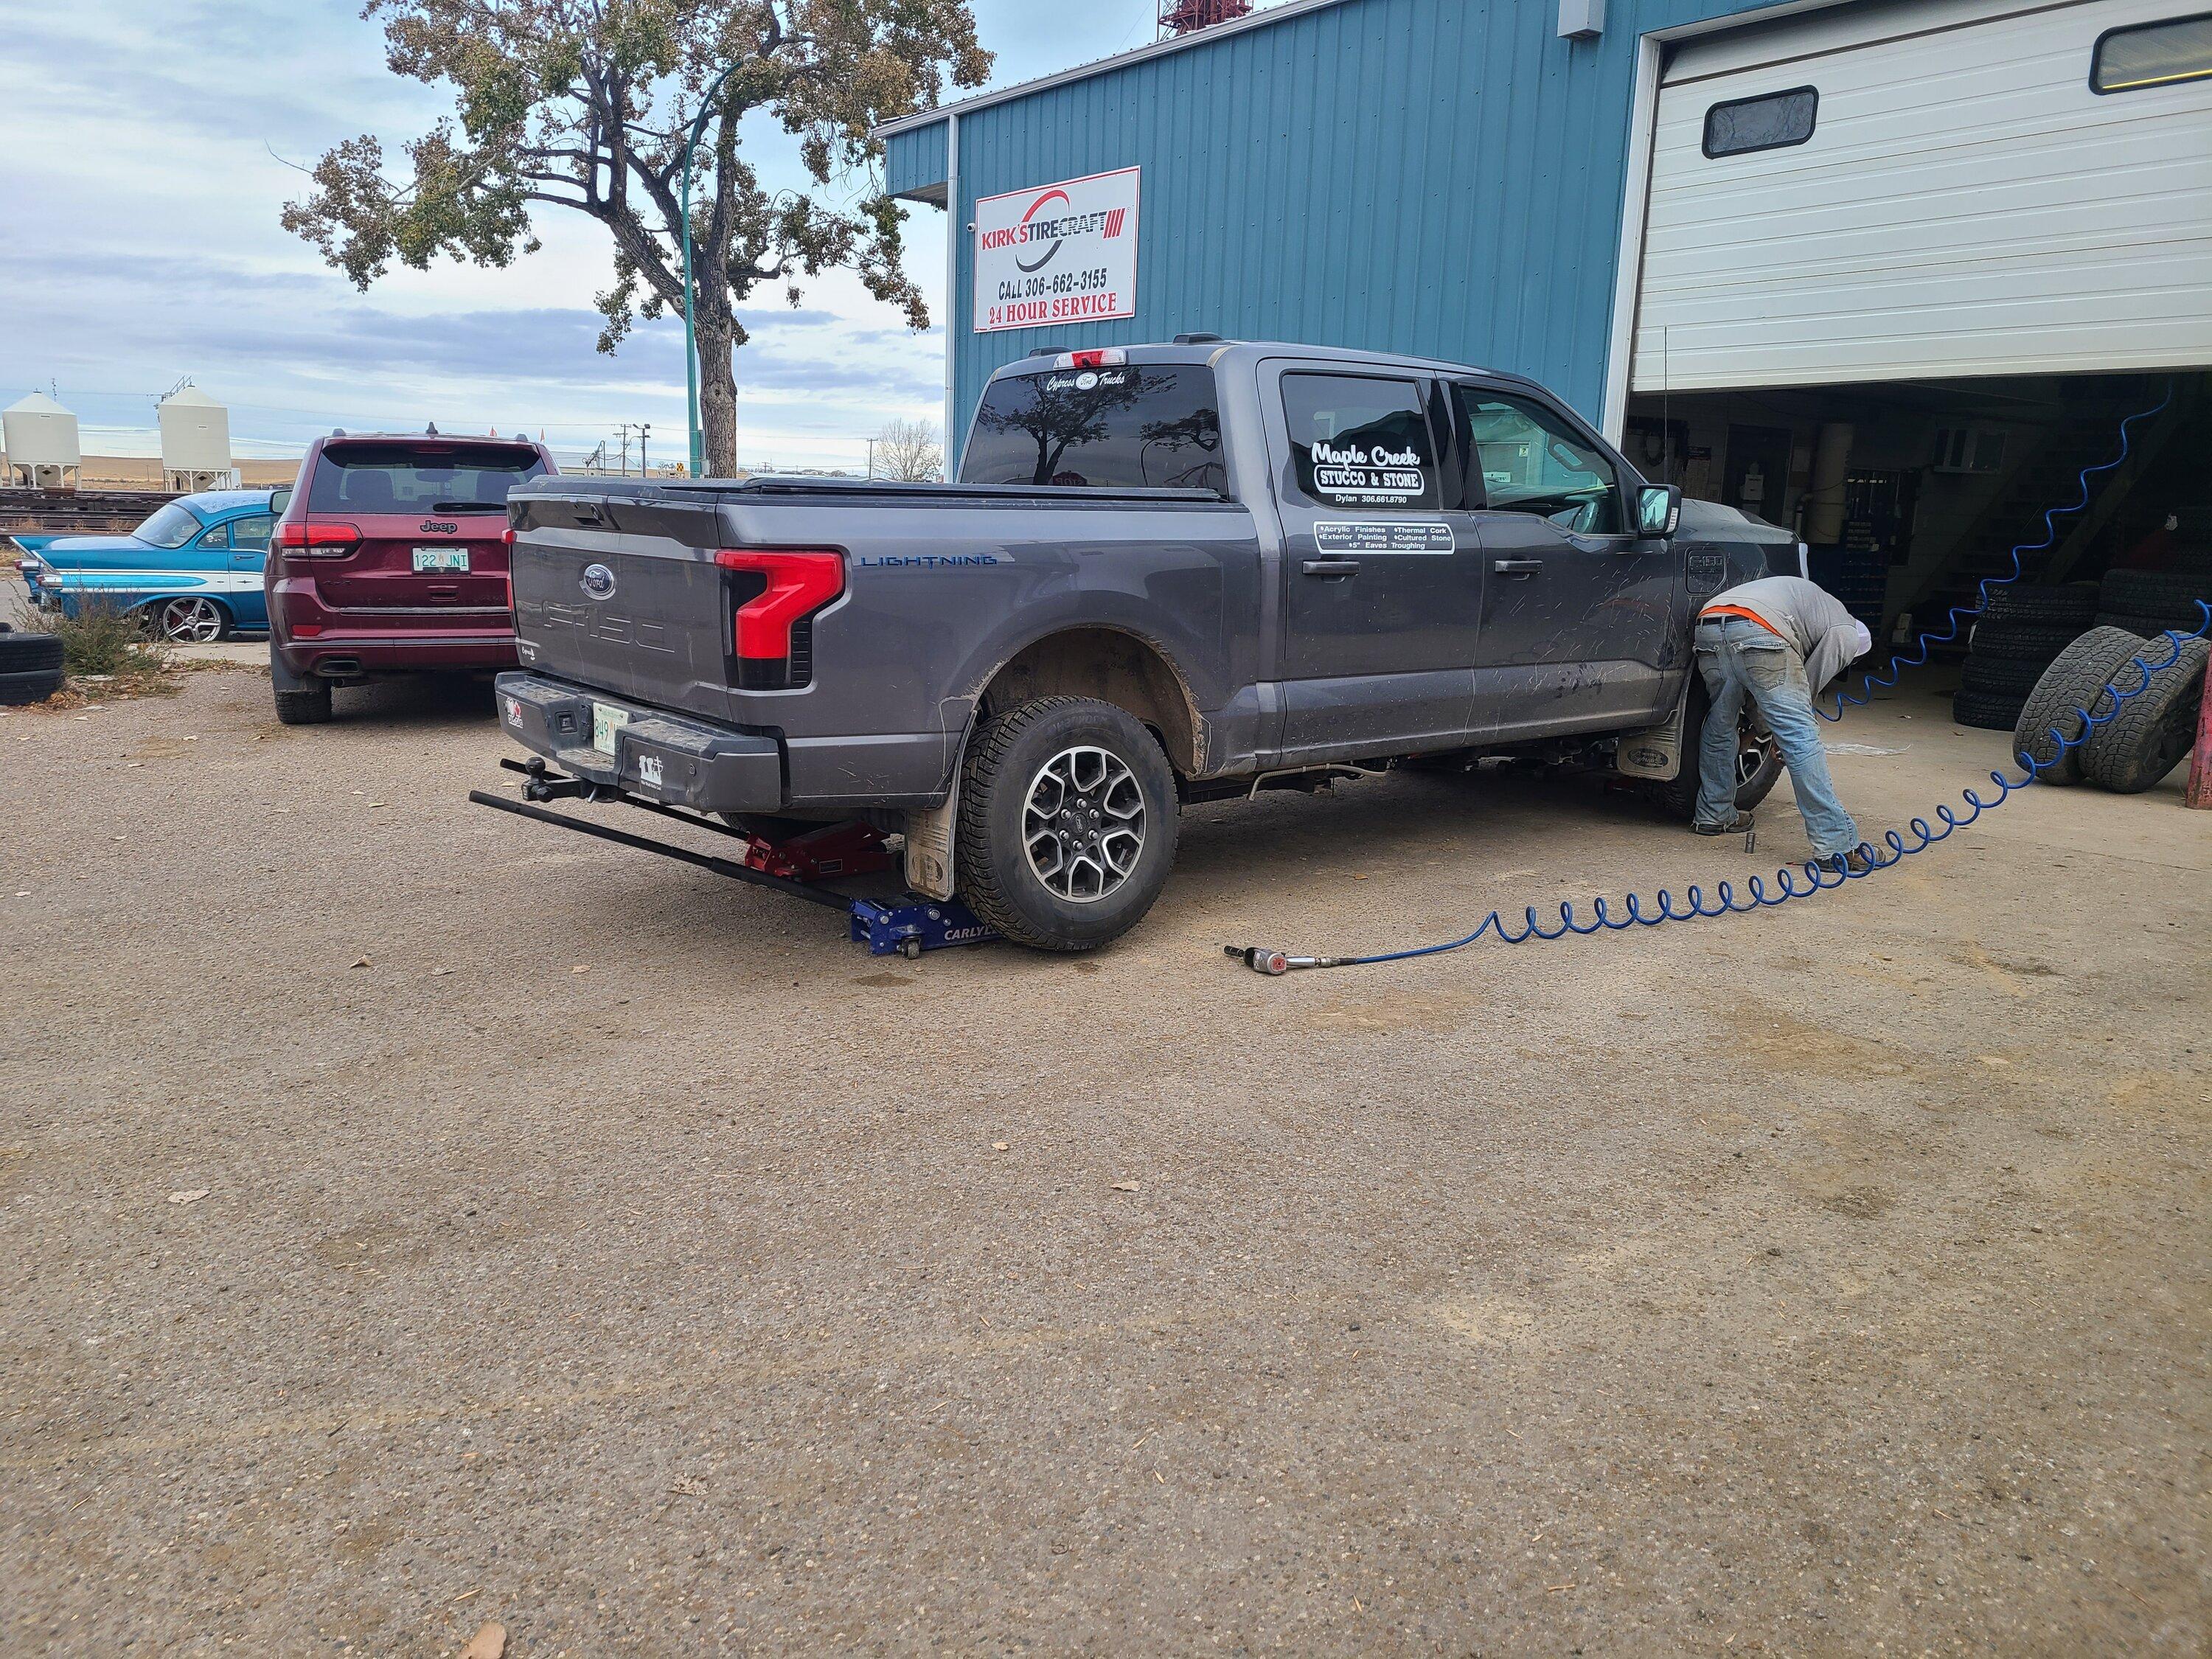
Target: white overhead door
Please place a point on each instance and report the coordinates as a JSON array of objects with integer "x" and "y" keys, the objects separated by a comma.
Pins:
[{"x": 1964, "y": 203}]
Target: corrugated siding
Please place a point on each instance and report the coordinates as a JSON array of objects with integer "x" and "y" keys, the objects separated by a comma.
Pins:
[
  {"x": 1434, "y": 176},
  {"x": 914, "y": 160},
  {"x": 1966, "y": 206}
]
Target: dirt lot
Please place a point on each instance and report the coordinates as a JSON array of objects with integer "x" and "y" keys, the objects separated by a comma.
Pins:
[{"x": 599, "y": 1248}]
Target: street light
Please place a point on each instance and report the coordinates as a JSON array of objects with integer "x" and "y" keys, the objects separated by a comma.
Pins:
[{"x": 691, "y": 329}]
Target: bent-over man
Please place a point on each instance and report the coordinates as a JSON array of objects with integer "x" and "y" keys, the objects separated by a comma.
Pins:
[{"x": 1777, "y": 640}]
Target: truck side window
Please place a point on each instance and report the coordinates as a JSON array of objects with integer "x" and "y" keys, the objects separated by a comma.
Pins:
[
  {"x": 1360, "y": 442},
  {"x": 1532, "y": 461}
]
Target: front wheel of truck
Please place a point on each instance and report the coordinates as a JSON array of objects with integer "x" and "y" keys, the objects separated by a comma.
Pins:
[{"x": 1067, "y": 822}]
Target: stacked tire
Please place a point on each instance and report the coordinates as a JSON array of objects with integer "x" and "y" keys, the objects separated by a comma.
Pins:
[
  {"x": 2145, "y": 716},
  {"x": 2022, "y": 629},
  {"x": 30, "y": 666},
  {"x": 2148, "y": 602}
]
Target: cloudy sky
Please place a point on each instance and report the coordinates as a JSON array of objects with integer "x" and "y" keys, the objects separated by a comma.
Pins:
[{"x": 147, "y": 144}]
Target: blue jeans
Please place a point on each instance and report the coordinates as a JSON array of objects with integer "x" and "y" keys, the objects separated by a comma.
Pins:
[{"x": 1740, "y": 659}]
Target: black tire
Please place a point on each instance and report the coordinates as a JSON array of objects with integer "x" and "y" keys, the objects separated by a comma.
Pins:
[
  {"x": 308, "y": 706},
  {"x": 1985, "y": 710},
  {"x": 29, "y": 685},
  {"x": 2003, "y": 676},
  {"x": 2073, "y": 681},
  {"x": 1008, "y": 761},
  {"x": 2071, "y": 605},
  {"x": 2154, "y": 728},
  {"x": 2153, "y": 593},
  {"x": 1756, "y": 778},
  {"x": 30, "y": 653},
  {"x": 2021, "y": 643},
  {"x": 2147, "y": 626}
]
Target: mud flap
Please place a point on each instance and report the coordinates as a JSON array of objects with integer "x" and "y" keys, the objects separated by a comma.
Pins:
[
  {"x": 1655, "y": 751},
  {"x": 930, "y": 832}
]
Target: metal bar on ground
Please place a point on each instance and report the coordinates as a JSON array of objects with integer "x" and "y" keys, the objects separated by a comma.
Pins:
[{"x": 683, "y": 854}]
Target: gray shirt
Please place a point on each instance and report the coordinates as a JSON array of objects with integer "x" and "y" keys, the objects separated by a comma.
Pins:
[{"x": 1808, "y": 618}]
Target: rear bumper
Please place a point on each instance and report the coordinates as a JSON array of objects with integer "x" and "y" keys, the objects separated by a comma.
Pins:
[
  {"x": 314, "y": 640},
  {"x": 660, "y": 756}
]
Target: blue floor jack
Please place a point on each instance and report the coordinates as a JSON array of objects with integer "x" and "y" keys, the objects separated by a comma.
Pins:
[{"x": 847, "y": 867}]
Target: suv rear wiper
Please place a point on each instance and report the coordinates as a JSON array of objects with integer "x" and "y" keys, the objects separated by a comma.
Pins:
[{"x": 468, "y": 507}]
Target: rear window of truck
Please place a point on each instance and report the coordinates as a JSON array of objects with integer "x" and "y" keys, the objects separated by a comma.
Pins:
[
  {"x": 1130, "y": 426},
  {"x": 411, "y": 478}
]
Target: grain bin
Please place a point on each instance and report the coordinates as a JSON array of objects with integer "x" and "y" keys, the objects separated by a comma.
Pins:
[
  {"x": 41, "y": 440},
  {"x": 195, "y": 442}
]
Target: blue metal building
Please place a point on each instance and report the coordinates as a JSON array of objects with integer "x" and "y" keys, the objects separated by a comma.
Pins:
[{"x": 1442, "y": 177}]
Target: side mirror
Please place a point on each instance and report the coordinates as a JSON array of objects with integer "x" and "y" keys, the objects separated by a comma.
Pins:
[{"x": 1658, "y": 509}]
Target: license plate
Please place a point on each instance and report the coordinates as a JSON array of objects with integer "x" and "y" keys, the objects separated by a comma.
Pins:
[
  {"x": 441, "y": 558},
  {"x": 605, "y": 723}
]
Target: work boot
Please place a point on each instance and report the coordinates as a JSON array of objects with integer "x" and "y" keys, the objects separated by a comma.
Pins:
[
  {"x": 1735, "y": 826},
  {"x": 1856, "y": 862}
]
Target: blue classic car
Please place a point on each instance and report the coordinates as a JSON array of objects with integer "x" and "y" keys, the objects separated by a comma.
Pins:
[{"x": 194, "y": 567}]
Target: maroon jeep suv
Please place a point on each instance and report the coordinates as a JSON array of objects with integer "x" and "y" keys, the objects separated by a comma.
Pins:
[{"x": 392, "y": 558}]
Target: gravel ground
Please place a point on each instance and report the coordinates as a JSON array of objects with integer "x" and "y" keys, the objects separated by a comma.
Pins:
[{"x": 413, "y": 1217}]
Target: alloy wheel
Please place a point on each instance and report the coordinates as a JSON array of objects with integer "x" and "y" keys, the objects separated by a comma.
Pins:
[
  {"x": 1083, "y": 823},
  {"x": 196, "y": 621}
]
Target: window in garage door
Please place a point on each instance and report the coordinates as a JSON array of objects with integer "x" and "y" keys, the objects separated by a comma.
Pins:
[{"x": 2153, "y": 55}]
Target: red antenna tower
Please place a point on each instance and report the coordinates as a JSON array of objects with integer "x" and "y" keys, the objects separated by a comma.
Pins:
[{"x": 1185, "y": 17}]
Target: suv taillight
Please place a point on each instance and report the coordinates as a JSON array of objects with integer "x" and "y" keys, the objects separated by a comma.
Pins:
[
  {"x": 318, "y": 539},
  {"x": 771, "y": 630}
]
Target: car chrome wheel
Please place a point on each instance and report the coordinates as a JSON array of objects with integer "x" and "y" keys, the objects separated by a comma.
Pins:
[
  {"x": 196, "y": 621},
  {"x": 1083, "y": 823},
  {"x": 1754, "y": 748}
]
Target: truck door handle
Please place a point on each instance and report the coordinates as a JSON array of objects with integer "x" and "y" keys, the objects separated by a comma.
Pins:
[
  {"x": 1332, "y": 566},
  {"x": 1517, "y": 569}
]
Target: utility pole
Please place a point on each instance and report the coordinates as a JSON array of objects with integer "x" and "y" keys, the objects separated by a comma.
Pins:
[
  {"x": 624, "y": 429},
  {"x": 872, "y": 458},
  {"x": 643, "y": 432}
]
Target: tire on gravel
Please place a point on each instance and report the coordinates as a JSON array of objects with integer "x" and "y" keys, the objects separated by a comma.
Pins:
[
  {"x": 2073, "y": 681},
  {"x": 2071, "y": 605},
  {"x": 2154, "y": 728},
  {"x": 2023, "y": 643},
  {"x": 1006, "y": 765},
  {"x": 2004, "y": 676},
  {"x": 1986, "y": 709},
  {"x": 29, "y": 685}
]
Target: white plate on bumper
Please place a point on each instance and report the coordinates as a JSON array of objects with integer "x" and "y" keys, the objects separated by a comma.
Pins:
[
  {"x": 605, "y": 723},
  {"x": 441, "y": 558}
]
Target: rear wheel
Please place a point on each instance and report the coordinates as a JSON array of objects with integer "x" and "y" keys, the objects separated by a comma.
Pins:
[
  {"x": 1067, "y": 822},
  {"x": 192, "y": 619}
]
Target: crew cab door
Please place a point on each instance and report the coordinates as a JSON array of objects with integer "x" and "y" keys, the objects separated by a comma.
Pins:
[
  {"x": 1578, "y": 621},
  {"x": 1382, "y": 594}
]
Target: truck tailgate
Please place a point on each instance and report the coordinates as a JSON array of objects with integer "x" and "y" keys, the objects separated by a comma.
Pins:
[{"x": 625, "y": 595}]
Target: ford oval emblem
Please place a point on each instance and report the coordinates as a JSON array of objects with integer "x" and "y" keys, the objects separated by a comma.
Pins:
[{"x": 599, "y": 581}]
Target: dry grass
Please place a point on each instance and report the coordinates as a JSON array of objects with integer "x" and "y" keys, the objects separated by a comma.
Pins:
[{"x": 108, "y": 654}]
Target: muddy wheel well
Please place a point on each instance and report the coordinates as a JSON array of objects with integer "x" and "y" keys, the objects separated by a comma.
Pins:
[{"x": 1114, "y": 667}]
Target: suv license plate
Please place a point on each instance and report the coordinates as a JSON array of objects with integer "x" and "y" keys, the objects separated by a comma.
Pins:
[
  {"x": 441, "y": 558},
  {"x": 605, "y": 723}
]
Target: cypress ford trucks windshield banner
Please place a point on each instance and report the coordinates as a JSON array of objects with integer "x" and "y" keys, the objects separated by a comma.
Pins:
[{"x": 1057, "y": 253}]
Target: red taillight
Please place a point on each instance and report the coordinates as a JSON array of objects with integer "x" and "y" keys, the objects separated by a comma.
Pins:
[
  {"x": 1103, "y": 357},
  {"x": 798, "y": 585},
  {"x": 313, "y": 538}
]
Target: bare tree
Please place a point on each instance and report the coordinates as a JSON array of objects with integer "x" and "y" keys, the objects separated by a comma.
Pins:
[
  {"x": 907, "y": 451},
  {"x": 588, "y": 105}
]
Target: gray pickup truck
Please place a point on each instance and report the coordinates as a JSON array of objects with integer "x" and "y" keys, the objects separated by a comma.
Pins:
[{"x": 1165, "y": 574}]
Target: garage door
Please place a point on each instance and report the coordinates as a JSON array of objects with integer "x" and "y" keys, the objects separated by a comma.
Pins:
[{"x": 1877, "y": 193}]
